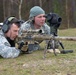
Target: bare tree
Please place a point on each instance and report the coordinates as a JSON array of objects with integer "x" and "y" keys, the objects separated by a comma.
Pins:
[
  {"x": 40, "y": 1},
  {"x": 20, "y": 5},
  {"x": 4, "y": 8},
  {"x": 67, "y": 13}
]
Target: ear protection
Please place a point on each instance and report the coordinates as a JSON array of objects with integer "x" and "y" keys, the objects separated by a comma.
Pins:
[{"x": 6, "y": 24}]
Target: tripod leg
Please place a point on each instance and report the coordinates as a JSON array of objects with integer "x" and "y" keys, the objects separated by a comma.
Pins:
[
  {"x": 45, "y": 51},
  {"x": 46, "y": 47},
  {"x": 61, "y": 44},
  {"x": 53, "y": 43}
]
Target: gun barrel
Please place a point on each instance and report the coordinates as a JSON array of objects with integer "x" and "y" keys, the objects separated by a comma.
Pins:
[
  {"x": 66, "y": 38},
  {"x": 41, "y": 37}
]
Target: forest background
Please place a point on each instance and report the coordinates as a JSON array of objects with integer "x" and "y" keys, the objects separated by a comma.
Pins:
[{"x": 20, "y": 8}]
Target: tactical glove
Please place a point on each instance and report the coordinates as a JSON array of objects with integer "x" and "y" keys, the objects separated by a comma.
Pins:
[{"x": 22, "y": 46}]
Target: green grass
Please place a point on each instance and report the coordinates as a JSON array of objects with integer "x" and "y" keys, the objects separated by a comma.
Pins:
[{"x": 34, "y": 64}]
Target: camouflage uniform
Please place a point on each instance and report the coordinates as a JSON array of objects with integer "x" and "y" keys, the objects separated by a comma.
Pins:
[
  {"x": 29, "y": 25},
  {"x": 6, "y": 51}
]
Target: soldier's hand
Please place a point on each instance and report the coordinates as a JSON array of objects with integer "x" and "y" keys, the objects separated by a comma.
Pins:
[{"x": 23, "y": 46}]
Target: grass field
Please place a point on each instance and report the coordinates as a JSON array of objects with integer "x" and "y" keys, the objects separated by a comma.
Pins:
[{"x": 34, "y": 64}]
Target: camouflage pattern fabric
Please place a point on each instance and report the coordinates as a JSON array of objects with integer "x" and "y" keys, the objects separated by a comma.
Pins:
[
  {"x": 29, "y": 25},
  {"x": 6, "y": 51}
]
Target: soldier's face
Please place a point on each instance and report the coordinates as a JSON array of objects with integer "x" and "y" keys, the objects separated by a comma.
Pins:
[
  {"x": 39, "y": 20},
  {"x": 13, "y": 32}
]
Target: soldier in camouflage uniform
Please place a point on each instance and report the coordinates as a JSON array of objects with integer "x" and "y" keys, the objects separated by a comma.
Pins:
[
  {"x": 36, "y": 21},
  {"x": 8, "y": 34}
]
